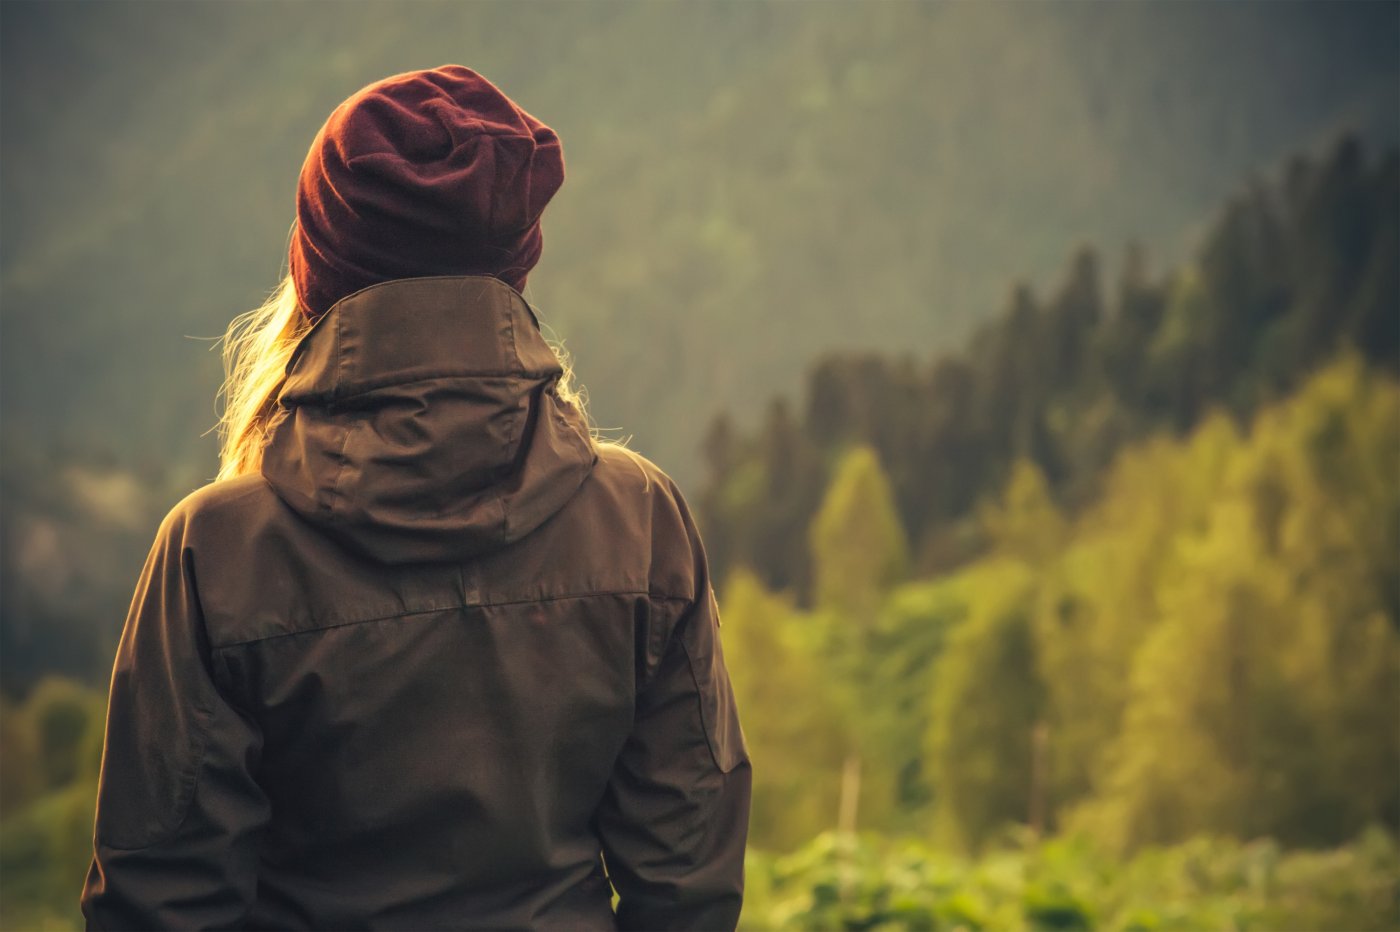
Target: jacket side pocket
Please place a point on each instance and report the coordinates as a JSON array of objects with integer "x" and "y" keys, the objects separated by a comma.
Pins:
[{"x": 718, "y": 712}]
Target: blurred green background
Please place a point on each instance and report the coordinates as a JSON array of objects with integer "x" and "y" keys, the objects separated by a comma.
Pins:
[{"x": 1032, "y": 369}]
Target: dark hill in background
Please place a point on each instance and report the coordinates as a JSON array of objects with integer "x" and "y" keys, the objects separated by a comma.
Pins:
[{"x": 749, "y": 184}]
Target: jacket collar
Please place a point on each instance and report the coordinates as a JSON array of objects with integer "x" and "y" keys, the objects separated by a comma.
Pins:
[
  {"x": 417, "y": 328},
  {"x": 423, "y": 423}
]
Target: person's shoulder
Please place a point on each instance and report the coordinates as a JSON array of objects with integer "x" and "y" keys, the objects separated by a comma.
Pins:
[
  {"x": 632, "y": 474},
  {"x": 645, "y": 491},
  {"x": 217, "y": 502}
]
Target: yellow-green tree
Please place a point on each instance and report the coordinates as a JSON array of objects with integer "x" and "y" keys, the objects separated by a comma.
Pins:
[
  {"x": 1095, "y": 602},
  {"x": 986, "y": 701},
  {"x": 795, "y": 732},
  {"x": 1026, "y": 523},
  {"x": 859, "y": 553},
  {"x": 1263, "y": 699},
  {"x": 859, "y": 549}
]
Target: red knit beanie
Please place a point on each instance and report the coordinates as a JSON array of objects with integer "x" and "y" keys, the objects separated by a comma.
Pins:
[{"x": 426, "y": 173}]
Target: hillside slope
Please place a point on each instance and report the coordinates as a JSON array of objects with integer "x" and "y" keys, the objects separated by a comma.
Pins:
[{"x": 749, "y": 185}]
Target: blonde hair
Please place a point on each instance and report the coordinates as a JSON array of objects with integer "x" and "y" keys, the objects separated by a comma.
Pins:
[{"x": 257, "y": 348}]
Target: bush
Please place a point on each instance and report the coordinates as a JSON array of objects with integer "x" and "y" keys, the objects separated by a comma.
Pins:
[{"x": 869, "y": 882}]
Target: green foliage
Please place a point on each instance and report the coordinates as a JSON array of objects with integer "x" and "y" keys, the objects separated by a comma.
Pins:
[
  {"x": 808, "y": 705},
  {"x": 985, "y": 702},
  {"x": 845, "y": 882},
  {"x": 858, "y": 547},
  {"x": 1175, "y": 609},
  {"x": 1210, "y": 647},
  {"x": 50, "y": 740},
  {"x": 19, "y": 762},
  {"x": 1026, "y": 523},
  {"x": 914, "y": 626},
  {"x": 859, "y": 553},
  {"x": 68, "y": 720},
  {"x": 766, "y": 502},
  {"x": 1261, "y": 698},
  {"x": 793, "y": 723},
  {"x": 44, "y": 855},
  {"x": 52, "y": 747}
]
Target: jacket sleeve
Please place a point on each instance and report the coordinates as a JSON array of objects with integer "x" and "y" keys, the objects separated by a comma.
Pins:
[
  {"x": 674, "y": 820},
  {"x": 179, "y": 813}
]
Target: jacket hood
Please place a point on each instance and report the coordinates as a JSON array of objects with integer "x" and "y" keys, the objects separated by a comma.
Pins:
[{"x": 423, "y": 422}]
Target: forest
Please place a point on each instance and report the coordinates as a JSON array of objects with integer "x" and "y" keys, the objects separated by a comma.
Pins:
[
  {"x": 1291, "y": 271},
  {"x": 1092, "y": 624}
]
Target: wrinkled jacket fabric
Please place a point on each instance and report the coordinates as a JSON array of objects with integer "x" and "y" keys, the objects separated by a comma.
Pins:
[{"x": 447, "y": 663}]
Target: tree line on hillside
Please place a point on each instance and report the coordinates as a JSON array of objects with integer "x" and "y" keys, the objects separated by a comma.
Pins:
[
  {"x": 1290, "y": 272},
  {"x": 1211, "y": 648}
]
